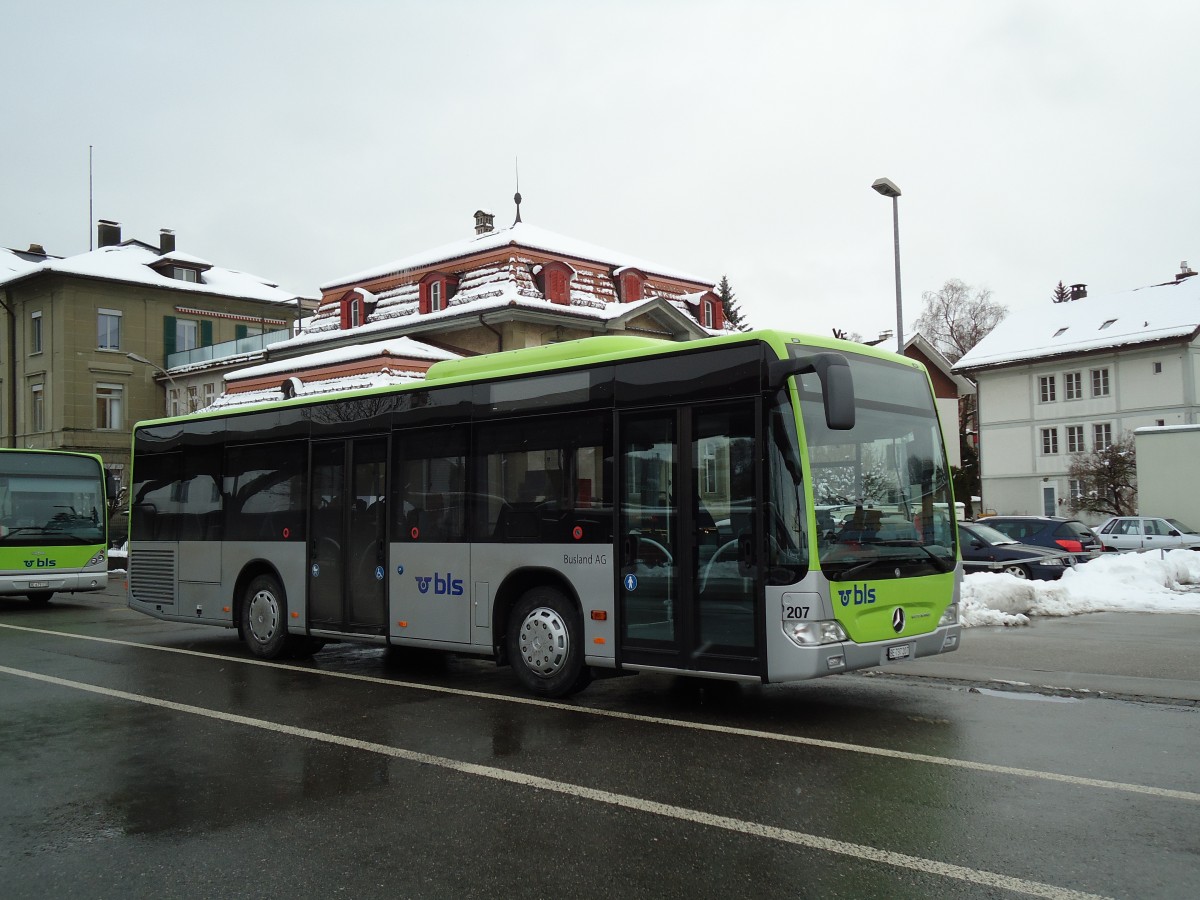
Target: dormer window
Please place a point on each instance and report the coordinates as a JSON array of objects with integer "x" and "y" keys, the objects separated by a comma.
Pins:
[
  {"x": 353, "y": 310},
  {"x": 554, "y": 281},
  {"x": 712, "y": 313},
  {"x": 179, "y": 273},
  {"x": 435, "y": 291},
  {"x": 630, "y": 284}
]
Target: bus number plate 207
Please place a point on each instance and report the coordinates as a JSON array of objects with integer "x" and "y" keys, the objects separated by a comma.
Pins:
[{"x": 901, "y": 652}]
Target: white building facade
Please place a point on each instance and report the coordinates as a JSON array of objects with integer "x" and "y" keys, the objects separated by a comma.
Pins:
[{"x": 1068, "y": 378}]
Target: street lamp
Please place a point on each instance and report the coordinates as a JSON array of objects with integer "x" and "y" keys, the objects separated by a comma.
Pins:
[
  {"x": 146, "y": 362},
  {"x": 888, "y": 188}
]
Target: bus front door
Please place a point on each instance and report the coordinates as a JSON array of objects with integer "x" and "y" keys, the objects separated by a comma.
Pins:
[
  {"x": 347, "y": 533},
  {"x": 689, "y": 583}
]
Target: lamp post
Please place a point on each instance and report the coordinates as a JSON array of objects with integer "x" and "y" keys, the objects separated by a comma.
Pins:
[
  {"x": 888, "y": 188},
  {"x": 146, "y": 362}
]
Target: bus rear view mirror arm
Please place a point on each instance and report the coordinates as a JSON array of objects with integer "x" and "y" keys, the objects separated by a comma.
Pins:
[{"x": 837, "y": 384}]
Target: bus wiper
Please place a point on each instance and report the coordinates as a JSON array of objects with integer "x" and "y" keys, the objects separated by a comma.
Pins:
[
  {"x": 939, "y": 562},
  {"x": 35, "y": 529}
]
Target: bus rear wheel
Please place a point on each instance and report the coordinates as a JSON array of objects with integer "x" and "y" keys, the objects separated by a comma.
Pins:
[
  {"x": 264, "y": 618},
  {"x": 545, "y": 644},
  {"x": 40, "y": 598}
]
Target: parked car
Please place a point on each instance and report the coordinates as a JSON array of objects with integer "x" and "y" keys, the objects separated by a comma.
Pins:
[
  {"x": 984, "y": 549},
  {"x": 1147, "y": 533},
  {"x": 1054, "y": 532}
]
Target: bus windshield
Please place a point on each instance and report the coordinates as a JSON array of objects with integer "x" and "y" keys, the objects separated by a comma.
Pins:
[
  {"x": 50, "y": 500},
  {"x": 881, "y": 491}
]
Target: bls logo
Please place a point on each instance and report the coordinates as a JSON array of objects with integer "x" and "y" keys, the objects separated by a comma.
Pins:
[
  {"x": 441, "y": 585},
  {"x": 859, "y": 595},
  {"x": 41, "y": 563}
]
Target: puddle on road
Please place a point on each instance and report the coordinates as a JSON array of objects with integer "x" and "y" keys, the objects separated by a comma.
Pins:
[{"x": 1025, "y": 695}]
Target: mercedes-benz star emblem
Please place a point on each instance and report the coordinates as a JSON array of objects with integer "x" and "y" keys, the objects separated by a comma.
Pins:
[{"x": 898, "y": 620}]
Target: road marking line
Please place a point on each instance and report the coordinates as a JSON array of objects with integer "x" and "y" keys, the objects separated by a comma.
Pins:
[
  {"x": 624, "y": 801},
  {"x": 969, "y": 765}
]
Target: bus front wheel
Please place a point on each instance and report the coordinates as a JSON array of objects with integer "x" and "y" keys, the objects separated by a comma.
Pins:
[
  {"x": 545, "y": 643},
  {"x": 264, "y": 617},
  {"x": 40, "y": 598}
]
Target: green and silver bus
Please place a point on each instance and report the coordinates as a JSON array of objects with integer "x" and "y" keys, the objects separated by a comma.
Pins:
[
  {"x": 761, "y": 507},
  {"x": 53, "y": 524}
]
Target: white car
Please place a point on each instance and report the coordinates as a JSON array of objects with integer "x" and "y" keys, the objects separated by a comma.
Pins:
[{"x": 1146, "y": 533}]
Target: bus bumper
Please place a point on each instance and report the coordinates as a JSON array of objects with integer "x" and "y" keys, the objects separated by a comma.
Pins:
[
  {"x": 58, "y": 583},
  {"x": 801, "y": 663}
]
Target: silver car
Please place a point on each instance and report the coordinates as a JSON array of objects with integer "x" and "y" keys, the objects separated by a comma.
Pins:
[{"x": 1147, "y": 533}]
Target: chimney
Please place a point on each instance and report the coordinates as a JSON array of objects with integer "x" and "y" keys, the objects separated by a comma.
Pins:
[
  {"x": 1078, "y": 291},
  {"x": 1184, "y": 271},
  {"x": 483, "y": 221},
  {"x": 41, "y": 251},
  {"x": 166, "y": 241},
  {"x": 108, "y": 233}
]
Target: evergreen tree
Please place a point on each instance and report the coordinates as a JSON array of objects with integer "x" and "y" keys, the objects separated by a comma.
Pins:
[
  {"x": 1062, "y": 293},
  {"x": 733, "y": 315}
]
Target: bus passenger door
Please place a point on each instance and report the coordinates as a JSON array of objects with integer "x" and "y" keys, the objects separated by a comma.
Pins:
[
  {"x": 688, "y": 540},
  {"x": 347, "y": 549}
]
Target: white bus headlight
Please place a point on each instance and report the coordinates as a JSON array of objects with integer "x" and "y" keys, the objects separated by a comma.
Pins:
[
  {"x": 950, "y": 616},
  {"x": 98, "y": 558},
  {"x": 810, "y": 634}
]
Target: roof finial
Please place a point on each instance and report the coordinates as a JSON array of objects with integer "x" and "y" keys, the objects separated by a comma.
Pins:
[{"x": 517, "y": 195}]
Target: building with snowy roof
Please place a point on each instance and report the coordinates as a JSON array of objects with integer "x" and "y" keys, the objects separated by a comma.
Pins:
[
  {"x": 68, "y": 380},
  {"x": 1071, "y": 377},
  {"x": 498, "y": 289}
]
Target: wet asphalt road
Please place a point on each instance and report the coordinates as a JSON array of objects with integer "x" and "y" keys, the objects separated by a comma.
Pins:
[{"x": 147, "y": 759}]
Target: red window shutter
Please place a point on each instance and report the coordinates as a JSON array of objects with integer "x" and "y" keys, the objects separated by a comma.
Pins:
[
  {"x": 423, "y": 298},
  {"x": 718, "y": 314},
  {"x": 345, "y": 314}
]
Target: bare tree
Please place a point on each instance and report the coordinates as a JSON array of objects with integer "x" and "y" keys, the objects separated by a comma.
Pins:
[
  {"x": 1107, "y": 479},
  {"x": 958, "y": 317}
]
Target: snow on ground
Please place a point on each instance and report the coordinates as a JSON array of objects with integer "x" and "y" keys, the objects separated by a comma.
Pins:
[{"x": 1155, "y": 581}]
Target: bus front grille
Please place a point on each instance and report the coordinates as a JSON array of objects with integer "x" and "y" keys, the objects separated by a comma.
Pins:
[{"x": 152, "y": 576}]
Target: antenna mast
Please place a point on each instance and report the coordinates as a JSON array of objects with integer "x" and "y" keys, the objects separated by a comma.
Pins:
[
  {"x": 517, "y": 195},
  {"x": 90, "y": 248}
]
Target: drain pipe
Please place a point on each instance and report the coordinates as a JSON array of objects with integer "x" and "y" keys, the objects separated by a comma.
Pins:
[{"x": 499, "y": 336}]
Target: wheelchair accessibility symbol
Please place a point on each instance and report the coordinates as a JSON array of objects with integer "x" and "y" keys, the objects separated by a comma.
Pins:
[
  {"x": 379, "y": 573},
  {"x": 631, "y": 582}
]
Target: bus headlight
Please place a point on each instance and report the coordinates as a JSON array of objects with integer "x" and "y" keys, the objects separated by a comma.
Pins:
[
  {"x": 810, "y": 634},
  {"x": 950, "y": 616},
  {"x": 100, "y": 557}
]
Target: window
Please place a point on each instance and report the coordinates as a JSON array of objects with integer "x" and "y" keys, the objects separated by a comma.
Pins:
[
  {"x": 1158, "y": 368},
  {"x": 435, "y": 296},
  {"x": 1046, "y": 388},
  {"x": 187, "y": 334},
  {"x": 37, "y": 407},
  {"x": 1061, "y": 331},
  {"x": 181, "y": 274},
  {"x": 1074, "y": 438},
  {"x": 708, "y": 314},
  {"x": 1049, "y": 440},
  {"x": 356, "y": 317},
  {"x": 35, "y": 332},
  {"x": 1073, "y": 385},
  {"x": 109, "y": 412},
  {"x": 1075, "y": 489},
  {"x": 1100, "y": 382},
  {"x": 429, "y": 502},
  {"x": 108, "y": 329},
  {"x": 173, "y": 407},
  {"x": 1102, "y": 436},
  {"x": 1106, "y": 324},
  {"x": 210, "y": 393},
  {"x": 264, "y": 490},
  {"x": 1160, "y": 422}
]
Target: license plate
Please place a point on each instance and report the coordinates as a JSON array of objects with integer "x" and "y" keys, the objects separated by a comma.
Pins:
[
  {"x": 901, "y": 652},
  {"x": 39, "y": 584}
]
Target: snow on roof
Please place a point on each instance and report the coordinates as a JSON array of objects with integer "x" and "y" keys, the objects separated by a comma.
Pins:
[
  {"x": 13, "y": 264},
  {"x": 1146, "y": 314},
  {"x": 185, "y": 258},
  {"x": 385, "y": 378},
  {"x": 131, "y": 261},
  {"x": 522, "y": 234},
  {"x": 399, "y": 347}
]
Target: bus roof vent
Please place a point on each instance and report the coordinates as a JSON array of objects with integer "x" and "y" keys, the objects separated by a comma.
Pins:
[{"x": 534, "y": 358}]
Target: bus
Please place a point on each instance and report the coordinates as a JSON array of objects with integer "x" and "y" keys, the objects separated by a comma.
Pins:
[
  {"x": 604, "y": 506},
  {"x": 53, "y": 523}
]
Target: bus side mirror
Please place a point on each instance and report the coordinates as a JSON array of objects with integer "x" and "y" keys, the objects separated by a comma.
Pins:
[
  {"x": 110, "y": 485},
  {"x": 837, "y": 384}
]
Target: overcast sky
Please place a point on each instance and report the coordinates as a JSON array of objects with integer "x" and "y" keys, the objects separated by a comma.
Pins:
[{"x": 303, "y": 141}]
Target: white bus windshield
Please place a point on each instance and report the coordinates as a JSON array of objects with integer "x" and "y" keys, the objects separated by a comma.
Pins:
[{"x": 881, "y": 490}]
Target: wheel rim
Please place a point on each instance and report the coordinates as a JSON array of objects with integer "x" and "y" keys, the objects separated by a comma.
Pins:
[
  {"x": 1017, "y": 571},
  {"x": 545, "y": 644},
  {"x": 264, "y": 616}
]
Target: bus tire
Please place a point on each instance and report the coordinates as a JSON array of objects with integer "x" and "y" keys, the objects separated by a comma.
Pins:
[
  {"x": 264, "y": 618},
  {"x": 39, "y": 598},
  {"x": 545, "y": 644}
]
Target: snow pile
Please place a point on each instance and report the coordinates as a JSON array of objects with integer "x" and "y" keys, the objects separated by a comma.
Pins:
[{"x": 1115, "y": 582}]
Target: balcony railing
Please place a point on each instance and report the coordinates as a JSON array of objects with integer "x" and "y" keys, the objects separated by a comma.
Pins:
[{"x": 249, "y": 344}]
